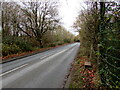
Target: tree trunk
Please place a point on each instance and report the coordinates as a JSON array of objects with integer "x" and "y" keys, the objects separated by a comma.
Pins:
[{"x": 41, "y": 44}]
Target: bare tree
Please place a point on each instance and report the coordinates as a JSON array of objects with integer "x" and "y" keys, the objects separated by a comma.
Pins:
[
  {"x": 39, "y": 17},
  {"x": 87, "y": 24},
  {"x": 10, "y": 18}
]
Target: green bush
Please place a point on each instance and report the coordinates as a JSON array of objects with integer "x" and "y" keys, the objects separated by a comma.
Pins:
[
  {"x": 13, "y": 45},
  {"x": 53, "y": 44},
  {"x": 22, "y": 43},
  {"x": 24, "y": 46},
  {"x": 10, "y": 49},
  {"x": 60, "y": 43},
  {"x": 67, "y": 40}
]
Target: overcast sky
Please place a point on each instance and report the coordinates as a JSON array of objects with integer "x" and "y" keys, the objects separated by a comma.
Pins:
[{"x": 68, "y": 12}]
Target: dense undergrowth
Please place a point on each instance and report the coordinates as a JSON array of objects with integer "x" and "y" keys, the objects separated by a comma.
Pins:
[
  {"x": 82, "y": 77},
  {"x": 99, "y": 31},
  {"x": 16, "y": 45}
]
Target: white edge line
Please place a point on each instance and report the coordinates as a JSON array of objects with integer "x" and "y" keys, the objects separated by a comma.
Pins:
[{"x": 13, "y": 70}]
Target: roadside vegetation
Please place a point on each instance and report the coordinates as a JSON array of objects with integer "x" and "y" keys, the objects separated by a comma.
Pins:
[
  {"x": 28, "y": 26},
  {"x": 99, "y": 33}
]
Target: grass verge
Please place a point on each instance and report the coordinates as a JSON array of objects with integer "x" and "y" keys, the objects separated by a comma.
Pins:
[{"x": 82, "y": 77}]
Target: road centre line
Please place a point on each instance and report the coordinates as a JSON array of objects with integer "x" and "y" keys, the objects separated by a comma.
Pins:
[
  {"x": 19, "y": 67},
  {"x": 13, "y": 70},
  {"x": 23, "y": 66},
  {"x": 47, "y": 56},
  {"x": 43, "y": 57}
]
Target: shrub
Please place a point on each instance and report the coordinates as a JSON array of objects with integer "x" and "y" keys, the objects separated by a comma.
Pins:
[
  {"x": 53, "y": 44},
  {"x": 67, "y": 40},
  {"x": 10, "y": 49},
  {"x": 24, "y": 46},
  {"x": 60, "y": 43},
  {"x": 20, "y": 42}
]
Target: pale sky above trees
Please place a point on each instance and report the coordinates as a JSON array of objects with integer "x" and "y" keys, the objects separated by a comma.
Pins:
[{"x": 68, "y": 11}]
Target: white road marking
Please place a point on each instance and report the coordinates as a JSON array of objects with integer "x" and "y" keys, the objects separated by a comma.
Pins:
[
  {"x": 27, "y": 64},
  {"x": 43, "y": 57},
  {"x": 13, "y": 70},
  {"x": 46, "y": 56}
]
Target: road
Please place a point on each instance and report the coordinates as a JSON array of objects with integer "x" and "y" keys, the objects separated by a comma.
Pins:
[{"x": 43, "y": 70}]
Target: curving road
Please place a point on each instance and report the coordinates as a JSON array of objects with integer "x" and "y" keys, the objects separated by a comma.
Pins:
[{"x": 43, "y": 70}]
